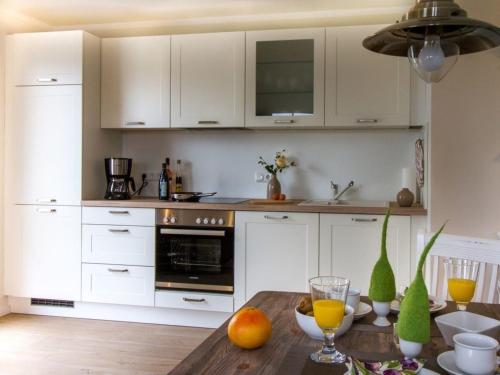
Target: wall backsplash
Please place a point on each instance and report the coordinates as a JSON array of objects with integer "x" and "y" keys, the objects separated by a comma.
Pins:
[{"x": 225, "y": 160}]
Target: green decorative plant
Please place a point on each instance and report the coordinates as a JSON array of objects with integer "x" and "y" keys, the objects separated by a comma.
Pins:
[
  {"x": 414, "y": 317},
  {"x": 279, "y": 164},
  {"x": 382, "y": 283}
]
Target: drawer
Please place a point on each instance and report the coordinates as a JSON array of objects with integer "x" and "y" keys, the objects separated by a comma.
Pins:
[
  {"x": 111, "y": 244},
  {"x": 194, "y": 301},
  {"x": 118, "y": 216},
  {"x": 127, "y": 285}
]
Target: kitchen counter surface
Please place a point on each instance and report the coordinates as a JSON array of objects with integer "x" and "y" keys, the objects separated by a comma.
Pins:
[{"x": 257, "y": 205}]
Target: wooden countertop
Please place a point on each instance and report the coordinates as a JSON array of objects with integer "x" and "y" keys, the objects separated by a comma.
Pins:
[
  {"x": 289, "y": 347},
  {"x": 256, "y": 205}
]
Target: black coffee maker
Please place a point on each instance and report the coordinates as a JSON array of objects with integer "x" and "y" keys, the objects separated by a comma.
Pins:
[{"x": 120, "y": 183}]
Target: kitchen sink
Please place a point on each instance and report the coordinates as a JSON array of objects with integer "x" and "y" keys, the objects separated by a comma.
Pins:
[{"x": 344, "y": 203}]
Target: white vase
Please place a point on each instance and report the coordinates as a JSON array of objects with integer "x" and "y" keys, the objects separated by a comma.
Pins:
[
  {"x": 410, "y": 349},
  {"x": 381, "y": 309}
]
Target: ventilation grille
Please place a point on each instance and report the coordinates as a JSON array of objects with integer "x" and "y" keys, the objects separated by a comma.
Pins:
[{"x": 51, "y": 302}]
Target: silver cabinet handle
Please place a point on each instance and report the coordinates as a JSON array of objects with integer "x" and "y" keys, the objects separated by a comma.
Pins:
[
  {"x": 46, "y": 200},
  {"x": 367, "y": 120},
  {"x": 123, "y": 270},
  {"x": 130, "y": 123},
  {"x": 118, "y": 230},
  {"x": 267, "y": 217},
  {"x": 284, "y": 121},
  {"x": 42, "y": 79},
  {"x": 119, "y": 212},
  {"x": 185, "y": 299},
  {"x": 361, "y": 220},
  {"x": 46, "y": 210},
  {"x": 207, "y": 122},
  {"x": 193, "y": 232}
]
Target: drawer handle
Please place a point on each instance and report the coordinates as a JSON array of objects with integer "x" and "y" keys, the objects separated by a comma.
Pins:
[
  {"x": 208, "y": 122},
  {"x": 131, "y": 123},
  {"x": 284, "y": 121},
  {"x": 367, "y": 120},
  {"x": 118, "y": 230},
  {"x": 118, "y": 270},
  {"x": 267, "y": 217},
  {"x": 46, "y": 210},
  {"x": 360, "y": 220},
  {"x": 119, "y": 212},
  {"x": 185, "y": 299},
  {"x": 46, "y": 79},
  {"x": 46, "y": 200}
]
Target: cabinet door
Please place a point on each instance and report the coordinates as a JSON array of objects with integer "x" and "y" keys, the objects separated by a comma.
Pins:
[
  {"x": 43, "y": 252},
  {"x": 135, "y": 82},
  {"x": 285, "y": 78},
  {"x": 208, "y": 80},
  {"x": 364, "y": 88},
  {"x": 350, "y": 246},
  {"x": 49, "y": 58},
  {"x": 274, "y": 251},
  {"x": 44, "y": 145}
]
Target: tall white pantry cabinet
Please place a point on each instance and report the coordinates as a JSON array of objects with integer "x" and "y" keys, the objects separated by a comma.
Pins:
[{"x": 52, "y": 117}]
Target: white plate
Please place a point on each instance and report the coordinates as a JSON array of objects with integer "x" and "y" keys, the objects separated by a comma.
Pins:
[
  {"x": 446, "y": 361},
  {"x": 440, "y": 305},
  {"x": 424, "y": 371},
  {"x": 363, "y": 310}
]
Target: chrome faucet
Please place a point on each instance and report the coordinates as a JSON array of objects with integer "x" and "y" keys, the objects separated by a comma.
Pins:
[{"x": 335, "y": 187}]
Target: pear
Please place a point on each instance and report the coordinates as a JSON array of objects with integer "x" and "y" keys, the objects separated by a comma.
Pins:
[
  {"x": 414, "y": 323},
  {"x": 382, "y": 283}
]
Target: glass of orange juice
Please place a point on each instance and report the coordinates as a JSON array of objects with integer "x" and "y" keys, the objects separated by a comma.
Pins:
[
  {"x": 462, "y": 277},
  {"x": 328, "y": 294}
]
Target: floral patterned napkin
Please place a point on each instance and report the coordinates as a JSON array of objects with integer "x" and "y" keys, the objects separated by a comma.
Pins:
[{"x": 395, "y": 367}]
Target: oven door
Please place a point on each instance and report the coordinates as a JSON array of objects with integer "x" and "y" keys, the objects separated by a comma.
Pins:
[{"x": 195, "y": 259}]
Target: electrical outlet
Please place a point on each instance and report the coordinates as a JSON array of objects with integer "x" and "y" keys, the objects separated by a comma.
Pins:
[
  {"x": 268, "y": 177},
  {"x": 259, "y": 177}
]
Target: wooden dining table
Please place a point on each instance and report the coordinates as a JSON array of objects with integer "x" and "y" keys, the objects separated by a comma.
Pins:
[{"x": 287, "y": 351}]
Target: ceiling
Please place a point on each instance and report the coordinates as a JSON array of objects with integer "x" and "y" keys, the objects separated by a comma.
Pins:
[{"x": 62, "y": 13}]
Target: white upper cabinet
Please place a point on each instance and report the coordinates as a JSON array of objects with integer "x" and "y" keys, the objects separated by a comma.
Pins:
[
  {"x": 135, "y": 82},
  {"x": 43, "y": 141},
  {"x": 285, "y": 78},
  {"x": 364, "y": 88},
  {"x": 53, "y": 58},
  {"x": 208, "y": 80}
]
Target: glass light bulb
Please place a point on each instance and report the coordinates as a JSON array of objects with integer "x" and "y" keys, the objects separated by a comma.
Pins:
[{"x": 431, "y": 57}]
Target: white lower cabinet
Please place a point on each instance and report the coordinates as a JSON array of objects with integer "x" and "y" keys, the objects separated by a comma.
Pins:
[
  {"x": 43, "y": 252},
  {"x": 195, "y": 301},
  {"x": 350, "y": 246},
  {"x": 274, "y": 251},
  {"x": 119, "y": 284}
]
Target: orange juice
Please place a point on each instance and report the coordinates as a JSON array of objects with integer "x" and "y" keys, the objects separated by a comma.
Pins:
[
  {"x": 328, "y": 313},
  {"x": 461, "y": 290}
]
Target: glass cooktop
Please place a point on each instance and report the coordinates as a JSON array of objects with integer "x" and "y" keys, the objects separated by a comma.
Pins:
[{"x": 223, "y": 200}]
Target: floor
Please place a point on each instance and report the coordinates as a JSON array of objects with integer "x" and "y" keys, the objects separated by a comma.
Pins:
[{"x": 43, "y": 345}]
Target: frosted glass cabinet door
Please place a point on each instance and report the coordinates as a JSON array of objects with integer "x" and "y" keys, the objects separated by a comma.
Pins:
[
  {"x": 285, "y": 78},
  {"x": 364, "y": 88},
  {"x": 208, "y": 80}
]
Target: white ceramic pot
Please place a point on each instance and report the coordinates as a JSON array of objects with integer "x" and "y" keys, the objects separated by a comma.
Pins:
[
  {"x": 309, "y": 326},
  {"x": 410, "y": 349},
  {"x": 381, "y": 309},
  {"x": 475, "y": 354}
]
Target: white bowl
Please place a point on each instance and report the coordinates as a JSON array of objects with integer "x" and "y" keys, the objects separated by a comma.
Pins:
[
  {"x": 464, "y": 321},
  {"x": 309, "y": 326}
]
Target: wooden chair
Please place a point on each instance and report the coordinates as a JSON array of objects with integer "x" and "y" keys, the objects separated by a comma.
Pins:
[{"x": 486, "y": 252}]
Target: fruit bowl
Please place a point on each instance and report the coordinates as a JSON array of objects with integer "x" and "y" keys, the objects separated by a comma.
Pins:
[{"x": 309, "y": 326}]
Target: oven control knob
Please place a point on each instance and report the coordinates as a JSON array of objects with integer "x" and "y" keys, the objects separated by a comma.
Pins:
[
  {"x": 173, "y": 220},
  {"x": 166, "y": 219},
  {"x": 198, "y": 220},
  {"x": 205, "y": 221},
  {"x": 221, "y": 221},
  {"x": 213, "y": 221}
]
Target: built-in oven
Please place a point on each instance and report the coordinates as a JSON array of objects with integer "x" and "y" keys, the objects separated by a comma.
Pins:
[{"x": 195, "y": 250}]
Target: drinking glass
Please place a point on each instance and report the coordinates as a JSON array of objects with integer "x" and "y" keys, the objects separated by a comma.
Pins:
[
  {"x": 328, "y": 294},
  {"x": 462, "y": 277}
]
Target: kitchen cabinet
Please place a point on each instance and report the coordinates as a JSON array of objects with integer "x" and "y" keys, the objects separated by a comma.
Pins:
[
  {"x": 135, "y": 82},
  {"x": 42, "y": 252},
  {"x": 46, "y": 58},
  {"x": 364, "y": 88},
  {"x": 274, "y": 251},
  {"x": 194, "y": 301},
  {"x": 43, "y": 142},
  {"x": 350, "y": 246},
  {"x": 285, "y": 78},
  {"x": 208, "y": 80}
]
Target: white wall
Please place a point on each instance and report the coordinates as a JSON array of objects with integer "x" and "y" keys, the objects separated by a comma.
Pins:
[{"x": 225, "y": 160}]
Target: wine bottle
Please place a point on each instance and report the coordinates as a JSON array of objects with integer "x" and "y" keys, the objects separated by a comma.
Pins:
[
  {"x": 163, "y": 190},
  {"x": 178, "y": 177},
  {"x": 170, "y": 178}
]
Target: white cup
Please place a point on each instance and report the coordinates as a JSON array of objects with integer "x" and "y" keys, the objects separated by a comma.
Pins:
[
  {"x": 353, "y": 298},
  {"x": 475, "y": 354}
]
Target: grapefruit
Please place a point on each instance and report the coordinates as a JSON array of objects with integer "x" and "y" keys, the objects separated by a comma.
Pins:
[{"x": 249, "y": 328}]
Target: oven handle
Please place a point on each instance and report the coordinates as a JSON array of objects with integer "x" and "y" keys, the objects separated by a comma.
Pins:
[{"x": 194, "y": 232}]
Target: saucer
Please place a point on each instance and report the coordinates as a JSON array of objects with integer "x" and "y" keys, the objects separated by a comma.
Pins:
[
  {"x": 363, "y": 310},
  {"x": 446, "y": 361},
  {"x": 438, "y": 306}
]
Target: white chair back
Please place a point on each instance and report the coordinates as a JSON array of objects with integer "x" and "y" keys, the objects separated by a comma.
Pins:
[{"x": 486, "y": 252}]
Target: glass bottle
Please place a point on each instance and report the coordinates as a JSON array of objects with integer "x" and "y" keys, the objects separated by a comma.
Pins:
[
  {"x": 170, "y": 178},
  {"x": 163, "y": 190},
  {"x": 178, "y": 177}
]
